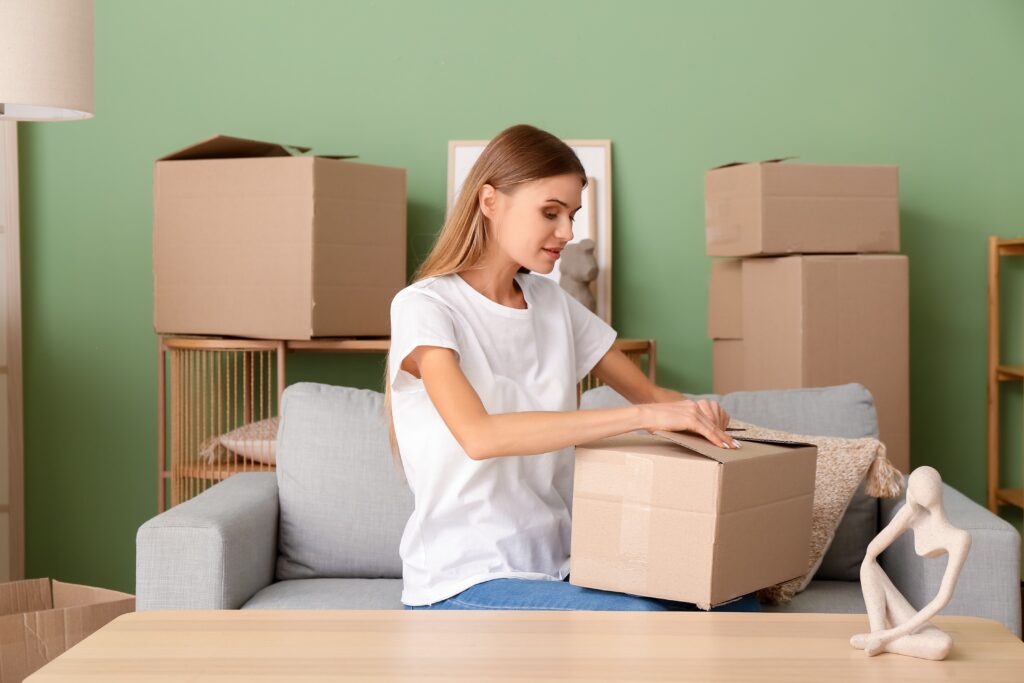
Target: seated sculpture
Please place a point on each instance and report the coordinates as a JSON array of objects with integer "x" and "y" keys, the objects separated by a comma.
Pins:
[{"x": 895, "y": 625}]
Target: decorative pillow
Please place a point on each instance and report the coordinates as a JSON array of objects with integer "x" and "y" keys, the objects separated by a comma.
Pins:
[
  {"x": 343, "y": 503},
  {"x": 255, "y": 440},
  {"x": 842, "y": 464}
]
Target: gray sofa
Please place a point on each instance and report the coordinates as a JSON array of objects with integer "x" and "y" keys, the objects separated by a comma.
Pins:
[{"x": 323, "y": 531}]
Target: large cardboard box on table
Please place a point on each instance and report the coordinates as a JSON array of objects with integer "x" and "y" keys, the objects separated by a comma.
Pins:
[
  {"x": 252, "y": 239},
  {"x": 784, "y": 208},
  {"x": 669, "y": 515},
  {"x": 40, "y": 619},
  {"x": 821, "y": 320}
]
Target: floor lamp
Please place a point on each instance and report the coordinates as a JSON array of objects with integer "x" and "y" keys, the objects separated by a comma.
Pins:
[{"x": 46, "y": 74}]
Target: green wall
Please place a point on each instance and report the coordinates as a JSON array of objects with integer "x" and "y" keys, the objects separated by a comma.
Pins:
[{"x": 930, "y": 85}]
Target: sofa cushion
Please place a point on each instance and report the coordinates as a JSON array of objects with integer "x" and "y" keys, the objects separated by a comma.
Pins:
[
  {"x": 329, "y": 594},
  {"x": 343, "y": 501},
  {"x": 847, "y": 411},
  {"x": 842, "y": 597}
]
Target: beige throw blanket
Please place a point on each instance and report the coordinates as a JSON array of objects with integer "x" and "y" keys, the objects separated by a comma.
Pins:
[{"x": 842, "y": 464}]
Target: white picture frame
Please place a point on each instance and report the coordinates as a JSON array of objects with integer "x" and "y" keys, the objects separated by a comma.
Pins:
[{"x": 593, "y": 220}]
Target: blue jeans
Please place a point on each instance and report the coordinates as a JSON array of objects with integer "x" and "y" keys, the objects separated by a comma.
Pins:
[{"x": 531, "y": 594}]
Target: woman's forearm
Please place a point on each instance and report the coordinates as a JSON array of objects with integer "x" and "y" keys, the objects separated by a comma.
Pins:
[
  {"x": 663, "y": 395},
  {"x": 530, "y": 433}
]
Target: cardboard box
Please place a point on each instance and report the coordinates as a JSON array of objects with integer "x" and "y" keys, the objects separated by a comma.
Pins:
[
  {"x": 669, "y": 515},
  {"x": 812, "y": 321},
  {"x": 785, "y": 208},
  {"x": 725, "y": 301},
  {"x": 40, "y": 618},
  {"x": 727, "y": 361},
  {"x": 252, "y": 240}
]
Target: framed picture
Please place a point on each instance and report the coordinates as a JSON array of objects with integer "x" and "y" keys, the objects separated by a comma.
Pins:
[{"x": 593, "y": 220}]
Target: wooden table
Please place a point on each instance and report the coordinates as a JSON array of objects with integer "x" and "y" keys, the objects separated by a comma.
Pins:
[{"x": 290, "y": 645}]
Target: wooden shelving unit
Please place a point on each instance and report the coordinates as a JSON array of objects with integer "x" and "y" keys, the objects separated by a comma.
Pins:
[
  {"x": 998, "y": 373},
  {"x": 218, "y": 384}
]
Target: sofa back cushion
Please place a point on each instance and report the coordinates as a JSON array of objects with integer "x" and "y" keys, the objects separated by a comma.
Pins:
[
  {"x": 343, "y": 502},
  {"x": 846, "y": 411}
]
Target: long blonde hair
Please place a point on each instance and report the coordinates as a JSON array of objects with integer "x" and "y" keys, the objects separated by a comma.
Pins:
[{"x": 516, "y": 155}]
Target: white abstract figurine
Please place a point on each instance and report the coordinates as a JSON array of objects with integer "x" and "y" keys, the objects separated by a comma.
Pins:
[{"x": 895, "y": 625}]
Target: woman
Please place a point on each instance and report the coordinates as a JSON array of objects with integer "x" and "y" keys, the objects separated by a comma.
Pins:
[{"x": 481, "y": 386}]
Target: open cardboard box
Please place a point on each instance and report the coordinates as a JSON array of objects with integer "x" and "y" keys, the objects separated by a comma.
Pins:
[
  {"x": 669, "y": 515},
  {"x": 258, "y": 239},
  {"x": 41, "y": 618},
  {"x": 785, "y": 208}
]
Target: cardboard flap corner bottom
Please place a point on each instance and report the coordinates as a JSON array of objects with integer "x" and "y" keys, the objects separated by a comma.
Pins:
[
  {"x": 777, "y": 160},
  {"x": 228, "y": 147}
]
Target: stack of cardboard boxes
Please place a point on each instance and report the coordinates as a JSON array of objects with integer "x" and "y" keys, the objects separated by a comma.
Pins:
[{"x": 814, "y": 292}]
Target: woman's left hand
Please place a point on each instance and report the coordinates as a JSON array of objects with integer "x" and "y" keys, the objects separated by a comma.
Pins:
[{"x": 712, "y": 410}]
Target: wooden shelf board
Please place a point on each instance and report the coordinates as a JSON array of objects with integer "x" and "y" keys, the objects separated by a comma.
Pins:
[
  {"x": 222, "y": 471},
  {"x": 218, "y": 343},
  {"x": 382, "y": 344},
  {"x": 366, "y": 345},
  {"x": 1010, "y": 247},
  {"x": 1013, "y": 497},
  {"x": 1009, "y": 373}
]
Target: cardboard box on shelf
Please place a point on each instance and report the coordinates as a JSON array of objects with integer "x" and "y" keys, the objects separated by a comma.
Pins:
[
  {"x": 256, "y": 239},
  {"x": 784, "y": 208},
  {"x": 822, "y": 320},
  {"x": 40, "y": 618},
  {"x": 669, "y": 515}
]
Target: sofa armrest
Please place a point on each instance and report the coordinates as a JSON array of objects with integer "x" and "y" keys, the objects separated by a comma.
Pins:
[
  {"x": 214, "y": 551},
  {"x": 989, "y": 583}
]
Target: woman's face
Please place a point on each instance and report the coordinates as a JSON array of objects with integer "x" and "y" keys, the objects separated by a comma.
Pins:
[{"x": 532, "y": 222}]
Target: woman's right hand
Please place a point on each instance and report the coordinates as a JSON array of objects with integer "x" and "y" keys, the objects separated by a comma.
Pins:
[{"x": 686, "y": 415}]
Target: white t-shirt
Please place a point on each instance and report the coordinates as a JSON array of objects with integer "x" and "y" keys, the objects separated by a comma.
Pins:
[{"x": 501, "y": 517}]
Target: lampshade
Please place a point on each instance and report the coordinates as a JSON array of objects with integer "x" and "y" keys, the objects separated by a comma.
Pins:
[{"x": 46, "y": 60}]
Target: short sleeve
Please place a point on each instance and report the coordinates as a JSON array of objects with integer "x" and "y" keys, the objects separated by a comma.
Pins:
[
  {"x": 417, "y": 319},
  {"x": 592, "y": 336}
]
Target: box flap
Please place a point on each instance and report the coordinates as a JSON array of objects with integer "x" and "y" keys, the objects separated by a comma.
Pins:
[
  {"x": 228, "y": 147},
  {"x": 76, "y": 595},
  {"x": 752, "y": 448},
  {"x": 741, "y": 163},
  {"x": 29, "y": 595}
]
